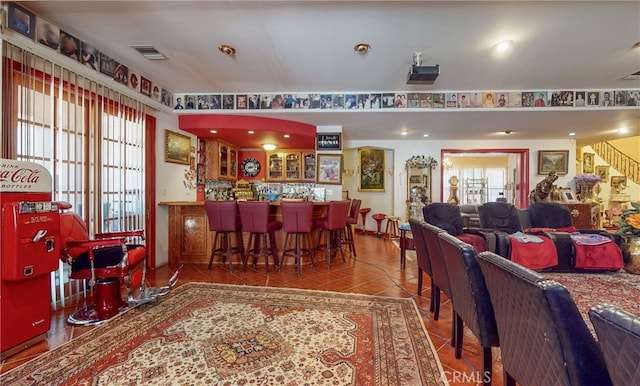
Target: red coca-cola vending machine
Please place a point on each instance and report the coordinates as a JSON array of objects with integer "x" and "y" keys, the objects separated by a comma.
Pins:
[{"x": 29, "y": 231}]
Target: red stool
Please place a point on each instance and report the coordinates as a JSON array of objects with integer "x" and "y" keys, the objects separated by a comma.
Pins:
[
  {"x": 379, "y": 217},
  {"x": 223, "y": 219},
  {"x": 297, "y": 220},
  {"x": 351, "y": 221},
  {"x": 334, "y": 225},
  {"x": 255, "y": 220},
  {"x": 363, "y": 214}
]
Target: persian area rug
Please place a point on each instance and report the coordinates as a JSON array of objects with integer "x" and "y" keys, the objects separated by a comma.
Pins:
[
  {"x": 235, "y": 335},
  {"x": 589, "y": 289}
]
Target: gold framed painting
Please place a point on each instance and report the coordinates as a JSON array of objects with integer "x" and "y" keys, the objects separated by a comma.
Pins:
[
  {"x": 553, "y": 161},
  {"x": 177, "y": 148},
  {"x": 372, "y": 169},
  {"x": 602, "y": 172},
  {"x": 329, "y": 169},
  {"x": 587, "y": 162}
]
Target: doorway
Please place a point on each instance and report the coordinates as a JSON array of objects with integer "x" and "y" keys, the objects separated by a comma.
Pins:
[{"x": 486, "y": 174}]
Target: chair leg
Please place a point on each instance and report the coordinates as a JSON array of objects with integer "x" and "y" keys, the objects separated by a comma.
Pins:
[
  {"x": 284, "y": 251},
  {"x": 432, "y": 302},
  {"x": 312, "y": 251},
  {"x": 228, "y": 252},
  {"x": 274, "y": 249},
  {"x": 213, "y": 250},
  {"x": 263, "y": 251},
  {"x": 508, "y": 379},
  {"x": 298, "y": 255},
  {"x": 487, "y": 366},
  {"x": 458, "y": 334},
  {"x": 436, "y": 306},
  {"x": 339, "y": 233},
  {"x": 420, "y": 281},
  {"x": 245, "y": 259}
]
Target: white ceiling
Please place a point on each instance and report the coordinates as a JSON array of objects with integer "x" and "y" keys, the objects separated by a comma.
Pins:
[{"x": 307, "y": 46}]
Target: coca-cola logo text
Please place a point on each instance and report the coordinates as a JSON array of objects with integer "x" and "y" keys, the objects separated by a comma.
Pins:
[{"x": 23, "y": 176}]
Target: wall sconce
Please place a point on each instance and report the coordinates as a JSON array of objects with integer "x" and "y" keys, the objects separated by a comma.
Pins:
[
  {"x": 447, "y": 163},
  {"x": 269, "y": 146},
  {"x": 349, "y": 172}
]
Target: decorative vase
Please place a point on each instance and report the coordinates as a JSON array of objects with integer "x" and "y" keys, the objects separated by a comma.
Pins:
[
  {"x": 586, "y": 192},
  {"x": 633, "y": 246}
]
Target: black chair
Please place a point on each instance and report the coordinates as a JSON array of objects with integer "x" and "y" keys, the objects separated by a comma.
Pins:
[
  {"x": 619, "y": 337},
  {"x": 543, "y": 338},
  {"x": 532, "y": 251},
  {"x": 449, "y": 217},
  {"x": 470, "y": 299},
  {"x": 439, "y": 274},
  {"x": 554, "y": 219},
  {"x": 422, "y": 257}
]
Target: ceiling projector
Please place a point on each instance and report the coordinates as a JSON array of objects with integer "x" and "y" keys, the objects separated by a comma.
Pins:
[{"x": 423, "y": 74}]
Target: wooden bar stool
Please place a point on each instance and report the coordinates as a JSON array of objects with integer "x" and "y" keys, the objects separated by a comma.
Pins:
[
  {"x": 334, "y": 225},
  {"x": 392, "y": 231},
  {"x": 379, "y": 217},
  {"x": 255, "y": 220},
  {"x": 351, "y": 221},
  {"x": 297, "y": 220},
  {"x": 223, "y": 219}
]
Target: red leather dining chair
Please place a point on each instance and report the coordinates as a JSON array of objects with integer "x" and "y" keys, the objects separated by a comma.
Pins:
[
  {"x": 352, "y": 220},
  {"x": 223, "y": 220},
  {"x": 297, "y": 220},
  {"x": 255, "y": 220},
  {"x": 334, "y": 225}
]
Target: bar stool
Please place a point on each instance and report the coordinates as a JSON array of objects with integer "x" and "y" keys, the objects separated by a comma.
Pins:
[
  {"x": 351, "y": 221},
  {"x": 363, "y": 214},
  {"x": 255, "y": 220},
  {"x": 379, "y": 217},
  {"x": 297, "y": 220},
  {"x": 223, "y": 219},
  {"x": 334, "y": 225},
  {"x": 391, "y": 230}
]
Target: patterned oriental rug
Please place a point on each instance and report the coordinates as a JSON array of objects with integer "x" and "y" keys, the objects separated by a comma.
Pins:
[{"x": 237, "y": 335}]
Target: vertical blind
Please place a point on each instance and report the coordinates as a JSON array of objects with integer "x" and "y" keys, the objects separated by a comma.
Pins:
[{"x": 89, "y": 136}]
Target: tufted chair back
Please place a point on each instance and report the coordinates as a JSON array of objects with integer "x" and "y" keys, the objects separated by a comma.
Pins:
[{"x": 543, "y": 338}]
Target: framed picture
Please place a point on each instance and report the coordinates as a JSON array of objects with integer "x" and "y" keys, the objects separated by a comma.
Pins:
[
  {"x": 618, "y": 182},
  {"x": 22, "y": 21},
  {"x": 328, "y": 141},
  {"x": 329, "y": 169},
  {"x": 177, "y": 148},
  {"x": 567, "y": 196},
  {"x": 587, "y": 162},
  {"x": 602, "y": 172},
  {"x": 553, "y": 161},
  {"x": 145, "y": 86},
  {"x": 372, "y": 170}
]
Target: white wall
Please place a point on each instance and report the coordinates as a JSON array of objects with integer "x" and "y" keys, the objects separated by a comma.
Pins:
[
  {"x": 169, "y": 183},
  {"x": 392, "y": 201}
]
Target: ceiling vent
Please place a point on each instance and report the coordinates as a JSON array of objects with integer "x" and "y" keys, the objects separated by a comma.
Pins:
[
  {"x": 634, "y": 76},
  {"x": 149, "y": 52}
]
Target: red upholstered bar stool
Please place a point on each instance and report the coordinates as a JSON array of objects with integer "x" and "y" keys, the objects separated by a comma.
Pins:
[
  {"x": 223, "y": 219},
  {"x": 363, "y": 214},
  {"x": 255, "y": 220},
  {"x": 351, "y": 221},
  {"x": 334, "y": 225},
  {"x": 297, "y": 220},
  {"x": 379, "y": 217}
]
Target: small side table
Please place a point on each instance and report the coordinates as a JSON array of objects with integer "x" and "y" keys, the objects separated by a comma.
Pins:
[{"x": 405, "y": 243}]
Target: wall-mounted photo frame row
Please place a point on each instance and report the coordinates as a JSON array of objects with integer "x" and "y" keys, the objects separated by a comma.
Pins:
[
  {"x": 26, "y": 23},
  {"x": 402, "y": 100}
]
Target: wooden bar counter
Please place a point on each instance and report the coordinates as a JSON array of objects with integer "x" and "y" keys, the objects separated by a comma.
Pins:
[{"x": 190, "y": 240}]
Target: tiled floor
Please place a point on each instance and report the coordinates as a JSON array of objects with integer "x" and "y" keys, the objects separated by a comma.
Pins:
[{"x": 376, "y": 271}]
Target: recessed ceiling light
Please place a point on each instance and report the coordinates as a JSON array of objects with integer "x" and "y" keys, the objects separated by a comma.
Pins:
[
  {"x": 286, "y": 135},
  {"x": 362, "y": 48},
  {"x": 227, "y": 49},
  {"x": 623, "y": 130},
  {"x": 504, "y": 45},
  {"x": 269, "y": 146},
  {"x": 425, "y": 135},
  {"x": 213, "y": 131},
  {"x": 251, "y": 132},
  {"x": 637, "y": 45},
  {"x": 404, "y": 132},
  {"x": 507, "y": 132},
  {"x": 572, "y": 134}
]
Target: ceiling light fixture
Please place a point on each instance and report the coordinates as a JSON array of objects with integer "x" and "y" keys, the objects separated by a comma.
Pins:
[
  {"x": 286, "y": 136},
  {"x": 623, "y": 130},
  {"x": 404, "y": 132},
  {"x": 504, "y": 45},
  {"x": 425, "y": 135},
  {"x": 227, "y": 49},
  {"x": 572, "y": 134},
  {"x": 213, "y": 131},
  {"x": 251, "y": 132},
  {"x": 507, "y": 132},
  {"x": 362, "y": 48},
  {"x": 269, "y": 146},
  {"x": 637, "y": 45}
]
